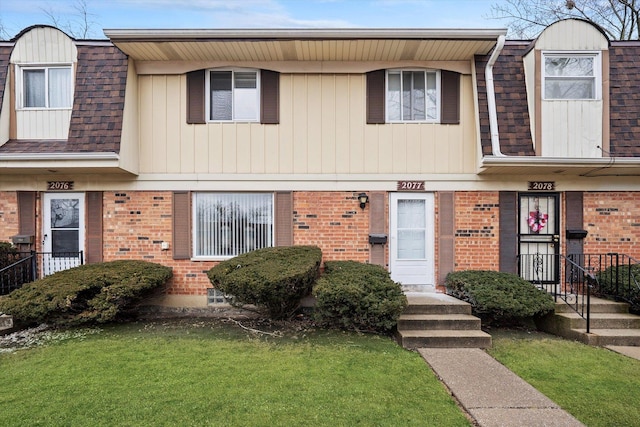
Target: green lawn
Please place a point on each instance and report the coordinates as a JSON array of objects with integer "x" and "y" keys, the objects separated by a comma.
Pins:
[
  {"x": 197, "y": 373},
  {"x": 597, "y": 386}
]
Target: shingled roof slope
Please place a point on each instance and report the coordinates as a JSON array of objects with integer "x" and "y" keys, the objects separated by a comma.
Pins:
[
  {"x": 98, "y": 105},
  {"x": 5, "y": 54},
  {"x": 511, "y": 101},
  {"x": 624, "y": 82}
]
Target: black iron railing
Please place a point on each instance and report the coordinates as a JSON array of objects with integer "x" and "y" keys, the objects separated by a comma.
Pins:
[
  {"x": 575, "y": 278},
  {"x": 30, "y": 266}
]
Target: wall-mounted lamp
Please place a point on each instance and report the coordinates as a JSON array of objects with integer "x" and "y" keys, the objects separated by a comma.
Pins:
[{"x": 363, "y": 199}]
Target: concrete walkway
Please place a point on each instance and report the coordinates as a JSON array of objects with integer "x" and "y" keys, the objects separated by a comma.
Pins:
[
  {"x": 490, "y": 393},
  {"x": 633, "y": 352}
]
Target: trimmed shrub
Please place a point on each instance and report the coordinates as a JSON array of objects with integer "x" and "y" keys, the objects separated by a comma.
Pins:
[
  {"x": 627, "y": 276},
  {"x": 91, "y": 293},
  {"x": 8, "y": 254},
  {"x": 498, "y": 297},
  {"x": 362, "y": 297},
  {"x": 274, "y": 280}
]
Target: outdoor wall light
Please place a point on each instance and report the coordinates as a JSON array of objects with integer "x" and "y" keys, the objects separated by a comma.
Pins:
[{"x": 363, "y": 199}]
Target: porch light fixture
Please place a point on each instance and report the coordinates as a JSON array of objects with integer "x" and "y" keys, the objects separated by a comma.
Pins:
[{"x": 363, "y": 199}]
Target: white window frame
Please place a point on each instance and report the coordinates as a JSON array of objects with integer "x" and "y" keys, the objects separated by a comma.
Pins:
[
  {"x": 233, "y": 96},
  {"x": 438, "y": 95},
  {"x": 196, "y": 255},
  {"x": 597, "y": 73},
  {"x": 20, "y": 82}
]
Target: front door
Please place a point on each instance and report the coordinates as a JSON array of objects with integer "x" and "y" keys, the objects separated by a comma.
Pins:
[
  {"x": 63, "y": 231},
  {"x": 411, "y": 243},
  {"x": 539, "y": 237}
]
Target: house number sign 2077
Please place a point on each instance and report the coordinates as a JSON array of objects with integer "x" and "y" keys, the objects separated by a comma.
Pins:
[
  {"x": 59, "y": 185},
  {"x": 410, "y": 185}
]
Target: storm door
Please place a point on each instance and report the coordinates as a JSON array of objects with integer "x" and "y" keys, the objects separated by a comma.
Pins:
[
  {"x": 412, "y": 241},
  {"x": 63, "y": 231},
  {"x": 539, "y": 237}
]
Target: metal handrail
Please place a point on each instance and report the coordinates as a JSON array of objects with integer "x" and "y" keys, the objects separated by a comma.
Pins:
[{"x": 35, "y": 267}]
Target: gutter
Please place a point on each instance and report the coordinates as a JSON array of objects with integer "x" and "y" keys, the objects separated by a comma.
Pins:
[
  {"x": 60, "y": 156},
  {"x": 491, "y": 98}
]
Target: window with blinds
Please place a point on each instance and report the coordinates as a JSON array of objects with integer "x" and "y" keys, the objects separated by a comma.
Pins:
[{"x": 229, "y": 224}]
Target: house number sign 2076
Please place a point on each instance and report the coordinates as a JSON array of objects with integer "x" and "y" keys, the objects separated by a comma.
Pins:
[{"x": 59, "y": 185}]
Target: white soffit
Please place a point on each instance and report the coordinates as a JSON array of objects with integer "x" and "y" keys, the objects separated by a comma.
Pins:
[{"x": 305, "y": 45}]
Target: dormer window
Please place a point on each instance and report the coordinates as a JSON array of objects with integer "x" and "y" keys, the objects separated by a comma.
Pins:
[
  {"x": 571, "y": 76},
  {"x": 45, "y": 87}
]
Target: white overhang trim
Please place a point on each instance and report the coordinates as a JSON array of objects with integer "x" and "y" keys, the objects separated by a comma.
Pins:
[
  {"x": 271, "y": 34},
  {"x": 59, "y": 156},
  {"x": 491, "y": 98},
  {"x": 507, "y": 161}
]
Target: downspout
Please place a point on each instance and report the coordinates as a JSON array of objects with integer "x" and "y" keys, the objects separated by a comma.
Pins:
[{"x": 491, "y": 98}]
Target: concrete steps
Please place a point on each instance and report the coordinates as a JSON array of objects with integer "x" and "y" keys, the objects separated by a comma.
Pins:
[
  {"x": 433, "y": 320},
  {"x": 610, "y": 324}
]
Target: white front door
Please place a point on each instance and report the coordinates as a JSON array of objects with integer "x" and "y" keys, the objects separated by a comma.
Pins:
[
  {"x": 63, "y": 231},
  {"x": 411, "y": 246}
]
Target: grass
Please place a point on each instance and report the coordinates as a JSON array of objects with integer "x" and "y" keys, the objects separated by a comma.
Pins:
[
  {"x": 202, "y": 373},
  {"x": 597, "y": 386}
]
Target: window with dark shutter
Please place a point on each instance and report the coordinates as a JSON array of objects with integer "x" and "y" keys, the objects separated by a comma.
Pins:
[
  {"x": 181, "y": 225},
  {"x": 269, "y": 97},
  {"x": 196, "y": 97},
  {"x": 27, "y": 213},
  {"x": 450, "y": 99},
  {"x": 94, "y": 226},
  {"x": 375, "y": 97},
  {"x": 508, "y": 232}
]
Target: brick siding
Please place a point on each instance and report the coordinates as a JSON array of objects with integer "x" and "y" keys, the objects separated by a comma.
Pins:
[
  {"x": 8, "y": 215},
  {"x": 477, "y": 245}
]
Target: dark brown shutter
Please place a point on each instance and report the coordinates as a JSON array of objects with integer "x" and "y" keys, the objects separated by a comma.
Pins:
[
  {"x": 450, "y": 99},
  {"x": 27, "y": 213},
  {"x": 269, "y": 97},
  {"x": 94, "y": 227},
  {"x": 377, "y": 225},
  {"x": 375, "y": 97},
  {"x": 181, "y": 225},
  {"x": 574, "y": 202},
  {"x": 284, "y": 219},
  {"x": 446, "y": 233},
  {"x": 195, "y": 97},
  {"x": 508, "y": 231}
]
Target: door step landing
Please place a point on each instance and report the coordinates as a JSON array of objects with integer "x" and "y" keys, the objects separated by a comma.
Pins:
[{"x": 435, "y": 320}]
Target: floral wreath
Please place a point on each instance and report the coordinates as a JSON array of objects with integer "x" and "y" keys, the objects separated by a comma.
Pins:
[{"x": 537, "y": 220}]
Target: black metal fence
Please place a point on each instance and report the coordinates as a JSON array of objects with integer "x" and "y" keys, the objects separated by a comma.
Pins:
[
  {"x": 30, "y": 266},
  {"x": 575, "y": 278}
]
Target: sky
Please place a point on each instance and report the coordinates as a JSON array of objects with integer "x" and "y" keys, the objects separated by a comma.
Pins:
[{"x": 15, "y": 15}]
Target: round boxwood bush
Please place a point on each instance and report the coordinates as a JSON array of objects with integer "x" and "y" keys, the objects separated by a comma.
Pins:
[
  {"x": 90, "y": 293},
  {"x": 498, "y": 297},
  {"x": 627, "y": 278},
  {"x": 357, "y": 296},
  {"x": 273, "y": 280}
]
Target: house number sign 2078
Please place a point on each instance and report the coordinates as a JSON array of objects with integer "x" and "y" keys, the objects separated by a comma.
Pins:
[
  {"x": 542, "y": 185},
  {"x": 59, "y": 185}
]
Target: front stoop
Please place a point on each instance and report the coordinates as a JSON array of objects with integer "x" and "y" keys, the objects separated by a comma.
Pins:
[
  {"x": 433, "y": 320},
  {"x": 611, "y": 324}
]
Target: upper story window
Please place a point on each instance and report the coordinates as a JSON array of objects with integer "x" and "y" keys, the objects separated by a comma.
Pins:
[
  {"x": 571, "y": 76},
  {"x": 46, "y": 87},
  {"x": 413, "y": 95},
  {"x": 234, "y": 95}
]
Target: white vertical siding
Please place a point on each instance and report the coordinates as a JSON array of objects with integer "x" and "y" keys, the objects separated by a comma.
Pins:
[{"x": 322, "y": 130}]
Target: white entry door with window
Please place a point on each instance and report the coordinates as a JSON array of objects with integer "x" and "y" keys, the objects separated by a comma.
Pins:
[
  {"x": 411, "y": 243},
  {"x": 63, "y": 231}
]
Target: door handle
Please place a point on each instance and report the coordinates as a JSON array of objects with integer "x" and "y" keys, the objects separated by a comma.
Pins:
[{"x": 556, "y": 238}]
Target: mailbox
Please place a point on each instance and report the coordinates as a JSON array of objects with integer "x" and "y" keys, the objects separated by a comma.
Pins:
[
  {"x": 22, "y": 239},
  {"x": 576, "y": 234},
  {"x": 377, "y": 239}
]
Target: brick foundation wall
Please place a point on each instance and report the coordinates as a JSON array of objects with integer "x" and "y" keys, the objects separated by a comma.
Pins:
[
  {"x": 613, "y": 222},
  {"x": 8, "y": 215},
  {"x": 477, "y": 245},
  {"x": 334, "y": 222}
]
